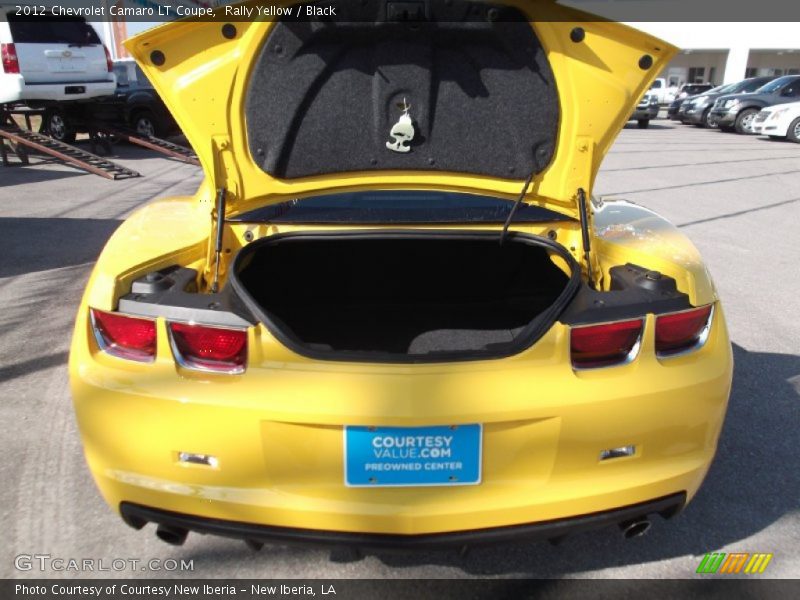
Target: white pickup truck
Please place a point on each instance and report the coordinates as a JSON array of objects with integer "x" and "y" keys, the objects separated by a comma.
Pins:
[
  {"x": 51, "y": 59},
  {"x": 664, "y": 93}
]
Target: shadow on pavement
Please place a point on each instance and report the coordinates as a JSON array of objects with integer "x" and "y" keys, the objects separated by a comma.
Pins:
[
  {"x": 634, "y": 125},
  {"x": 739, "y": 213},
  {"x": 699, "y": 183},
  {"x": 699, "y": 163},
  {"x": 35, "y": 172},
  {"x": 40, "y": 363},
  {"x": 29, "y": 244}
]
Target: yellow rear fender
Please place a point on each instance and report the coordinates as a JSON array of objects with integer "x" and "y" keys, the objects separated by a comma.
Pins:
[{"x": 628, "y": 233}]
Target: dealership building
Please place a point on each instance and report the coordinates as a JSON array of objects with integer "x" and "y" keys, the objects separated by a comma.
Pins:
[{"x": 727, "y": 52}]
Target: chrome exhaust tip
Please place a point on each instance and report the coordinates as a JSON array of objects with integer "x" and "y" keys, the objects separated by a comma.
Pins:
[{"x": 634, "y": 528}]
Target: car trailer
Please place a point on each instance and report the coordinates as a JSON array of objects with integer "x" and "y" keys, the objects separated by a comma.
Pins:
[
  {"x": 175, "y": 151},
  {"x": 23, "y": 140}
]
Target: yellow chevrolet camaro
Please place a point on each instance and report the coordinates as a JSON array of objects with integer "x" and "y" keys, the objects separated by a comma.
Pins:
[{"x": 393, "y": 314}]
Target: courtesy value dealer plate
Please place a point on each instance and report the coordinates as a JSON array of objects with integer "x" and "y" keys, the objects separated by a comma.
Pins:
[{"x": 412, "y": 456}]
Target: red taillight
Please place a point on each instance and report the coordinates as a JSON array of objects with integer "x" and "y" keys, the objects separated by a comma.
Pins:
[
  {"x": 209, "y": 348},
  {"x": 606, "y": 344},
  {"x": 9, "y": 56},
  {"x": 109, "y": 62},
  {"x": 125, "y": 337},
  {"x": 681, "y": 331}
]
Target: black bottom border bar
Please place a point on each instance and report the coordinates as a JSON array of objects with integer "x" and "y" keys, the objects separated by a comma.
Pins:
[{"x": 400, "y": 589}]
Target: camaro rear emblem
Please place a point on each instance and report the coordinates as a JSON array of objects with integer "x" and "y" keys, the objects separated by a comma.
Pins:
[{"x": 403, "y": 131}]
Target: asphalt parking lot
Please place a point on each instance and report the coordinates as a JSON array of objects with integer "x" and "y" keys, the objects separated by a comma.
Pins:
[{"x": 738, "y": 199}]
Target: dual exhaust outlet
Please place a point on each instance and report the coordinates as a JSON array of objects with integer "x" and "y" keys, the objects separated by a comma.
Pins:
[
  {"x": 176, "y": 536},
  {"x": 635, "y": 527},
  {"x": 172, "y": 535}
]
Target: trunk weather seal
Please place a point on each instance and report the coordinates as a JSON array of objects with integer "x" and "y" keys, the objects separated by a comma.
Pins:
[{"x": 530, "y": 334}]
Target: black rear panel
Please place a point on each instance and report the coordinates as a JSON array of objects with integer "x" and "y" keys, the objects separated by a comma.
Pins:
[{"x": 324, "y": 96}]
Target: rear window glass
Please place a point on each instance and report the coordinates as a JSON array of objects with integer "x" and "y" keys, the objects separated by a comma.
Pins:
[{"x": 53, "y": 30}]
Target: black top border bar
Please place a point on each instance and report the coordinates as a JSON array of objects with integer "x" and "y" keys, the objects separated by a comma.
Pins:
[{"x": 157, "y": 11}]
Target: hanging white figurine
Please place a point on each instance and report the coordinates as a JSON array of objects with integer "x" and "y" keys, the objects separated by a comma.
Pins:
[{"x": 402, "y": 132}]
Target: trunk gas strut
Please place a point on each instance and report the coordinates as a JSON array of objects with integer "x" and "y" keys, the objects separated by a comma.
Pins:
[
  {"x": 586, "y": 238},
  {"x": 585, "y": 235},
  {"x": 218, "y": 241}
]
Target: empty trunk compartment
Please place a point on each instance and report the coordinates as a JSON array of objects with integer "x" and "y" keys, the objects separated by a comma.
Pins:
[{"x": 400, "y": 296}]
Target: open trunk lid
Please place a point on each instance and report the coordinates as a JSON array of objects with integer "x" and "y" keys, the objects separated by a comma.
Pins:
[{"x": 465, "y": 96}]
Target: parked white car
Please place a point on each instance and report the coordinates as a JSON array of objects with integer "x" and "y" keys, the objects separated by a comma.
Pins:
[
  {"x": 779, "y": 121},
  {"x": 52, "y": 59}
]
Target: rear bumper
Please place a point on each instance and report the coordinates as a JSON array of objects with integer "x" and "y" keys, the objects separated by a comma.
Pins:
[
  {"x": 277, "y": 434},
  {"x": 648, "y": 112},
  {"x": 15, "y": 89},
  {"x": 667, "y": 507}
]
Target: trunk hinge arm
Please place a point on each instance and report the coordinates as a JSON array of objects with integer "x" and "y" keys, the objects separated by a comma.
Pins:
[
  {"x": 514, "y": 208},
  {"x": 586, "y": 235}
]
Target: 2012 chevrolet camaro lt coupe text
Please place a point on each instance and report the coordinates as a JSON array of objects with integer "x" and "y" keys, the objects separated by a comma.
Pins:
[{"x": 393, "y": 314}]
